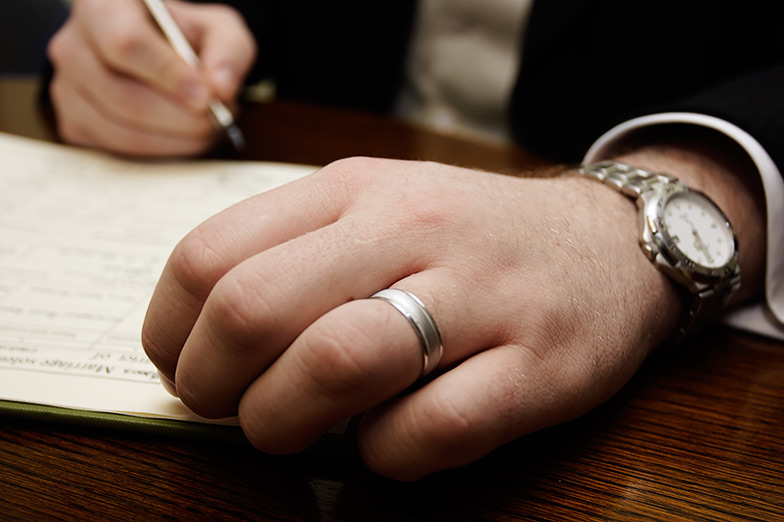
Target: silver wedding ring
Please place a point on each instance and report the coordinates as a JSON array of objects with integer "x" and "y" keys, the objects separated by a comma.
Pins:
[{"x": 424, "y": 325}]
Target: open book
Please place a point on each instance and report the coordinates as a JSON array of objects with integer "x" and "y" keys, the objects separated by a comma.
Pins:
[{"x": 83, "y": 239}]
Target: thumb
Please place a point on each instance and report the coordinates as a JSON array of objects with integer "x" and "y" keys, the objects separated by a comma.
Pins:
[{"x": 225, "y": 45}]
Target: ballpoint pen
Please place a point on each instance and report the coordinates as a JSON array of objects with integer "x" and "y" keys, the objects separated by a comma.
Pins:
[{"x": 222, "y": 116}]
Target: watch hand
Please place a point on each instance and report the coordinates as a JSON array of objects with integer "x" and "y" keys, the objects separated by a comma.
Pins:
[{"x": 700, "y": 244}]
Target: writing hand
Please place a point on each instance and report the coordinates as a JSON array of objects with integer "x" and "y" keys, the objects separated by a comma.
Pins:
[{"x": 118, "y": 84}]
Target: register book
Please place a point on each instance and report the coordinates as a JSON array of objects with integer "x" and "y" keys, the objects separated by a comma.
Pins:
[{"x": 83, "y": 239}]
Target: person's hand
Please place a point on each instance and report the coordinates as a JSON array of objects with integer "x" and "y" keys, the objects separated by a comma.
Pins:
[
  {"x": 545, "y": 304},
  {"x": 119, "y": 85}
]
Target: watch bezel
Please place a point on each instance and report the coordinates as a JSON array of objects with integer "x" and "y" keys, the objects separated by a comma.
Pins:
[{"x": 676, "y": 257}]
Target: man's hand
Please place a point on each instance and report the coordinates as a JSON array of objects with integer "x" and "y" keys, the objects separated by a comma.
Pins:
[
  {"x": 119, "y": 85},
  {"x": 545, "y": 304}
]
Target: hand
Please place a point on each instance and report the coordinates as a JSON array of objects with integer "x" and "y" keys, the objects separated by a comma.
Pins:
[
  {"x": 119, "y": 85},
  {"x": 545, "y": 304}
]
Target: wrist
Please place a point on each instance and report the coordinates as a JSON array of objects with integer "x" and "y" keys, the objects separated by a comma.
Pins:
[
  {"x": 683, "y": 234},
  {"x": 716, "y": 166},
  {"x": 645, "y": 301}
]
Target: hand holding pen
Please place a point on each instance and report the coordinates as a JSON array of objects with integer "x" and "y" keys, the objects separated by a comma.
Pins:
[
  {"x": 120, "y": 85},
  {"x": 224, "y": 119}
]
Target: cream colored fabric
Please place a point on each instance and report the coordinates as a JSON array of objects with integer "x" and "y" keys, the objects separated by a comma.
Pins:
[{"x": 463, "y": 62}]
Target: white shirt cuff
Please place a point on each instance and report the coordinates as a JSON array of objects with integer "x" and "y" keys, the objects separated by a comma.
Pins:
[{"x": 764, "y": 318}]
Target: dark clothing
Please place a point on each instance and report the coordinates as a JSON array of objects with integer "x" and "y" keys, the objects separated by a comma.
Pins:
[
  {"x": 591, "y": 64},
  {"x": 587, "y": 64}
]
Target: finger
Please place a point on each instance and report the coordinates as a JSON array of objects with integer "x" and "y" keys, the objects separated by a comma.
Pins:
[
  {"x": 206, "y": 254},
  {"x": 352, "y": 358},
  {"x": 485, "y": 402},
  {"x": 128, "y": 102},
  {"x": 226, "y": 47},
  {"x": 81, "y": 123},
  {"x": 349, "y": 360},
  {"x": 255, "y": 225},
  {"x": 342, "y": 351},
  {"x": 129, "y": 41},
  {"x": 257, "y": 309}
]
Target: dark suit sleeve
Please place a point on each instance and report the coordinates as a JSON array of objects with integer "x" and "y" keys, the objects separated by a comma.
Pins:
[
  {"x": 589, "y": 65},
  {"x": 753, "y": 102},
  {"x": 348, "y": 53}
]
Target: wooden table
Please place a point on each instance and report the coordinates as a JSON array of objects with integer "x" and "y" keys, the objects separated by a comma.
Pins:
[{"x": 698, "y": 434}]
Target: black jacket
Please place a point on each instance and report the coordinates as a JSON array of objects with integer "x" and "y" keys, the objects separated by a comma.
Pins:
[{"x": 587, "y": 64}]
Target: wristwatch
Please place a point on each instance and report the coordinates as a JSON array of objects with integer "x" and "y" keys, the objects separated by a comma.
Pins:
[{"x": 684, "y": 234}]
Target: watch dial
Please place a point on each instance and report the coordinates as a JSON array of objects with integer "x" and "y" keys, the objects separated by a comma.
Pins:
[{"x": 698, "y": 229}]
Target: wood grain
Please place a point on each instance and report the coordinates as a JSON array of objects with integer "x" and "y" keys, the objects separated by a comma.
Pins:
[{"x": 698, "y": 434}]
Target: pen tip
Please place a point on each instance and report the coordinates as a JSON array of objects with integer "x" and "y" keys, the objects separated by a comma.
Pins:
[{"x": 235, "y": 136}]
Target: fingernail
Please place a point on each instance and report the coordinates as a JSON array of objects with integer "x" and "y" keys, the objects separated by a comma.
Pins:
[
  {"x": 167, "y": 384},
  {"x": 195, "y": 94}
]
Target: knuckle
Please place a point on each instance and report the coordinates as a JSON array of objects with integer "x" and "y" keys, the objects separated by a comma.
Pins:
[
  {"x": 240, "y": 308},
  {"x": 243, "y": 306},
  {"x": 124, "y": 46},
  {"x": 196, "y": 263},
  {"x": 332, "y": 177},
  {"x": 340, "y": 353},
  {"x": 443, "y": 424},
  {"x": 353, "y": 173},
  {"x": 343, "y": 182},
  {"x": 157, "y": 347},
  {"x": 56, "y": 47}
]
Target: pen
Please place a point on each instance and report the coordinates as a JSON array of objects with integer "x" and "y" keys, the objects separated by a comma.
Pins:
[{"x": 222, "y": 116}]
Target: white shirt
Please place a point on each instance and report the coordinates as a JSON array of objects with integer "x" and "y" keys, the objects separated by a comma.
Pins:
[{"x": 462, "y": 66}]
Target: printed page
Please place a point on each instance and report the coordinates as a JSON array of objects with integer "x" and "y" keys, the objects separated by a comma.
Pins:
[{"x": 83, "y": 239}]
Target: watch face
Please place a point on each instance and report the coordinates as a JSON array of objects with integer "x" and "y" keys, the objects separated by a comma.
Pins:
[{"x": 698, "y": 229}]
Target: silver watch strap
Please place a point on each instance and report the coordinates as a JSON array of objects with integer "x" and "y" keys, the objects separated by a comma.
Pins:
[
  {"x": 707, "y": 300},
  {"x": 632, "y": 181}
]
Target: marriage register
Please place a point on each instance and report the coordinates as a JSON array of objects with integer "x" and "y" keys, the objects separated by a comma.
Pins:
[{"x": 83, "y": 239}]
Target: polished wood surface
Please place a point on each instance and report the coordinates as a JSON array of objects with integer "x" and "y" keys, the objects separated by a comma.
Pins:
[{"x": 698, "y": 434}]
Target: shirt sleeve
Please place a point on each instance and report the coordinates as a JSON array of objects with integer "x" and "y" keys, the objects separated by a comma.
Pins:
[{"x": 765, "y": 318}]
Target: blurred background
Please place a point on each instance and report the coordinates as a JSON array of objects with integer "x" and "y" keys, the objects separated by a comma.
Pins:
[{"x": 25, "y": 28}]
